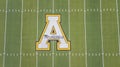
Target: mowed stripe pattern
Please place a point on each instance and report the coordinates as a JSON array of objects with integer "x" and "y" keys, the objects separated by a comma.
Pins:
[{"x": 77, "y": 33}]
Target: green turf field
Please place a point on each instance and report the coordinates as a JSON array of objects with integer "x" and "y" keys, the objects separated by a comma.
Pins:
[{"x": 92, "y": 26}]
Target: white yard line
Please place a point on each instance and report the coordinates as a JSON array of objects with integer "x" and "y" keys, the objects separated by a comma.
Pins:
[
  {"x": 53, "y": 55},
  {"x": 101, "y": 33},
  {"x": 37, "y": 31},
  {"x": 21, "y": 34},
  {"x": 118, "y": 24},
  {"x": 53, "y": 6},
  {"x": 69, "y": 30},
  {"x": 53, "y": 61},
  {"x": 85, "y": 33},
  {"x": 5, "y": 34}
]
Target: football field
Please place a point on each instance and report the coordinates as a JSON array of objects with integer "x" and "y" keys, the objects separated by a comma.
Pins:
[{"x": 92, "y": 27}]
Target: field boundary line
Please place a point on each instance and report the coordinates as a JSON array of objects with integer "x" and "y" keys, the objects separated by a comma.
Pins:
[
  {"x": 21, "y": 35},
  {"x": 5, "y": 33},
  {"x": 117, "y": 14},
  {"x": 85, "y": 33},
  {"x": 101, "y": 33}
]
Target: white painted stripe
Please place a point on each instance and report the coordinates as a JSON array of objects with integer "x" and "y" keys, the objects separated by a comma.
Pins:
[
  {"x": 69, "y": 30},
  {"x": 37, "y": 31},
  {"x": 118, "y": 24},
  {"x": 53, "y": 55},
  {"x": 62, "y": 54},
  {"x": 5, "y": 33},
  {"x": 53, "y": 6},
  {"x": 36, "y": 59},
  {"x": 85, "y": 33},
  {"x": 59, "y": 10},
  {"x": 37, "y": 18},
  {"x": 21, "y": 35},
  {"x": 101, "y": 33}
]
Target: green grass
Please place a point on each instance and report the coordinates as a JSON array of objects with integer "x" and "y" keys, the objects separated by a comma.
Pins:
[
  {"x": 29, "y": 34},
  {"x": 2, "y": 37},
  {"x": 2, "y": 20},
  {"x": 13, "y": 35},
  {"x": 76, "y": 33}
]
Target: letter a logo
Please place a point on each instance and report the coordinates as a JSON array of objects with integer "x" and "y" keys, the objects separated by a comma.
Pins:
[{"x": 53, "y": 31}]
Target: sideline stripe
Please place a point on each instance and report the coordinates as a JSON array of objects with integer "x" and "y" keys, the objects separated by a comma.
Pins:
[
  {"x": 5, "y": 34},
  {"x": 101, "y": 33},
  {"x": 85, "y": 32},
  {"x": 21, "y": 34}
]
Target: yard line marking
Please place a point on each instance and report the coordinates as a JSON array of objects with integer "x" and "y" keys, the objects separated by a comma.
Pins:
[
  {"x": 53, "y": 6},
  {"x": 21, "y": 34},
  {"x": 118, "y": 24},
  {"x": 5, "y": 34},
  {"x": 85, "y": 32},
  {"x": 101, "y": 33},
  {"x": 53, "y": 41},
  {"x": 37, "y": 32},
  {"x": 53, "y": 56},
  {"x": 69, "y": 30}
]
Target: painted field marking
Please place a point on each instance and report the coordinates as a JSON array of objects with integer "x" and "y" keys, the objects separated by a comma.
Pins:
[
  {"x": 117, "y": 14},
  {"x": 5, "y": 34},
  {"x": 61, "y": 54},
  {"x": 21, "y": 35},
  {"x": 69, "y": 30},
  {"x": 37, "y": 31},
  {"x": 101, "y": 33},
  {"x": 59, "y": 10},
  {"x": 53, "y": 61},
  {"x": 85, "y": 33}
]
